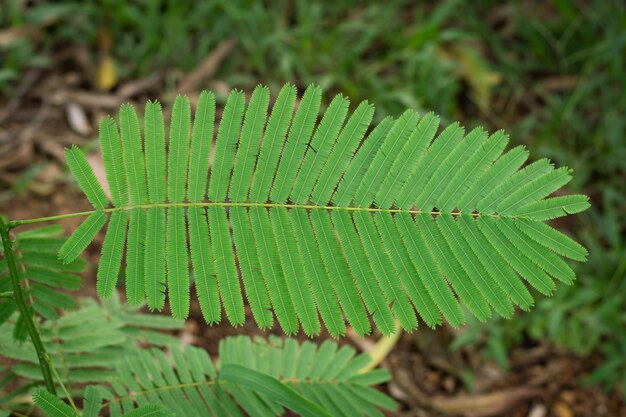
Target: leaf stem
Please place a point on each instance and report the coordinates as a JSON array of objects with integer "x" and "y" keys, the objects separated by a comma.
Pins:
[
  {"x": 23, "y": 308},
  {"x": 15, "y": 223},
  {"x": 58, "y": 378},
  {"x": 382, "y": 348}
]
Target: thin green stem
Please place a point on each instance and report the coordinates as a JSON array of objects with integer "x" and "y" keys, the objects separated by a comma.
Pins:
[
  {"x": 58, "y": 378},
  {"x": 15, "y": 223},
  {"x": 23, "y": 308}
]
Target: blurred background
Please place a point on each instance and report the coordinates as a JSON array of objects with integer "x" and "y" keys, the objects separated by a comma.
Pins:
[{"x": 551, "y": 73}]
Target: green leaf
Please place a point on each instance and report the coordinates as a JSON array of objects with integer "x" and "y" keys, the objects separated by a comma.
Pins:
[
  {"x": 347, "y": 142},
  {"x": 155, "y": 151},
  {"x": 135, "y": 257},
  {"x": 272, "y": 388},
  {"x": 93, "y": 401},
  {"x": 383, "y": 268},
  {"x": 82, "y": 171},
  {"x": 113, "y": 160},
  {"x": 296, "y": 142},
  {"x": 203, "y": 269},
  {"x": 148, "y": 410},
  {"x": 411, "y": 153},
  {"x": 325, "y": 297},
  {"x": 492, "y": 177},
  {"x": 225, "y": 145},
  {"x": 82, "y": 237},
  {"x": 132, "y": 151},
  {"x": 255, "y": 377},
  {"x": 178, "y": 151},
  {"x": 299, "y": 289},
  {"x": 224, "y": 259},
  {"x": 112, "y": 250},
  {"x": 314, "y": 218},
  {"x": 370, "y": 187},
  {"x": 155, "y": 265},
  {"x": 199, "y": 154},
  {"x": 248, "y": 147},
  {"x": 555, "y": 207},
  {"x": 319, "y": 148},
  {"x": 272, "y": 271},
  {"x": 177, "y": 262},
  {"x": 553, "y": 239},
  {"x": 52, "y": 405}
]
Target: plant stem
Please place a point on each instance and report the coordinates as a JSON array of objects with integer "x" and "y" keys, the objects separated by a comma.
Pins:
[
  {"x": 60, "y": 381},
  {"x": 14, "y": 223},
  {"x": 23, "y": 308},
  {"x": 381, "y": 349}
]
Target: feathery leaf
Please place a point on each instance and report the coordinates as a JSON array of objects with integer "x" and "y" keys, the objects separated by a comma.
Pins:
[
  {"x": 135, "y": 257},
  {"x": 133, "y": 154},
  {"x": 554, "y": 207},
  {"x": 325, "y": 296},
  {"x": 415, "y": 185},
  {"x": 82, "y": 237},
  {"x": 227, "y": 136},
  {"x": 318, "y": 149},
  {"x": 272, "y": 271},
  {"x": 253, "y": 282},
  {"x": 297, "y": 283},
  {"x": 52, "y": 405},
  {"x": 553, "y": 239},
  {"x": 324, "y": 223},
  {"x": 259, "y": 378},
  {"x": 359, "y": 164},
  {"x": 410, "y": 279},
  {"x": 347, "y": 142},
  {"x": 199, "y": 154},
  {"x": 154, "y": 131},
  {"x": 447, "y": 165},
  {"x": 410, "y": 154},
  {"x": 113, "y": 160},
  {"x": 177, "y": 262},
  {"x": 370, "y": 189},
  {"x": 493, "y": 176},
  {"x": 111, "y": 256},
  {"x": 203, "y": 268},
  {"x": 155, "y": 266},
  {"x": 224, "y": 261},
  {"x": 272, "y": 143},
  {"x": 535, "y": 170},
  {"x": 178, "y": 151},
  {"x": 384, "y": 270},
  {"x": 82, "y": 171},
  {"x": 248, "y": 146},
  {"x": 471, "y": 171},
  {"x": 296, "y": 143}
]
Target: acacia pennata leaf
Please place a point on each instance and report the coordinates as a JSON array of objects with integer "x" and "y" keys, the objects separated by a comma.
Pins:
[{"x": 324, "y": 216}]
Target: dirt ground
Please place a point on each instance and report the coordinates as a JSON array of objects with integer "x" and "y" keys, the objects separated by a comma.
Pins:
[{"x": 51, "y": 111}]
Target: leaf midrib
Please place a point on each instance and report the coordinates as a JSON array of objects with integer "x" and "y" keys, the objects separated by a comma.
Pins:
[
  {"x": 172, "y": 387},
  {"x": 209, "y": 204}
]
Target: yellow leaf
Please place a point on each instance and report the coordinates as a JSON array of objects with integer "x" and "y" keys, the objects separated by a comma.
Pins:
[{"x": 106, "y": 75}]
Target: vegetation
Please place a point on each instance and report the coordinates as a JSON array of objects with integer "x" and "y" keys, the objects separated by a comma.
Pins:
[
  {"x": 339, "y": 225},
  {"x": 552, "y": 76}
]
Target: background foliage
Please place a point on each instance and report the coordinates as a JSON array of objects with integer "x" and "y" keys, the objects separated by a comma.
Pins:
[{"x": 551, "y": 73}]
